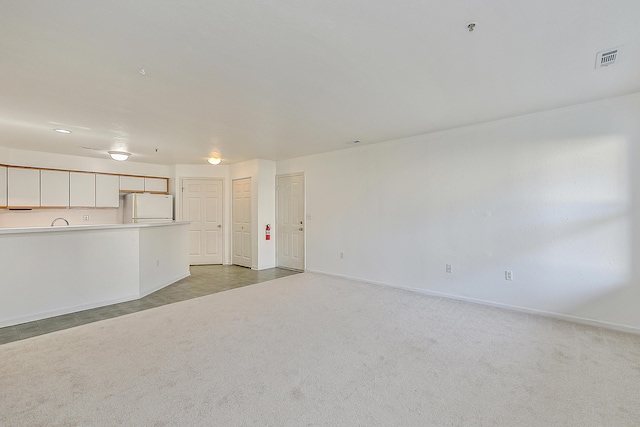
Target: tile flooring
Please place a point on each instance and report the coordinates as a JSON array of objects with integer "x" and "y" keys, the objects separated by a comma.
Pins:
[{"x": 204, "y": 280}]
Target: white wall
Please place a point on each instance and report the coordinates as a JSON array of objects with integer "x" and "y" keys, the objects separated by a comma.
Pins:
[{"x": 553, "y": 197}]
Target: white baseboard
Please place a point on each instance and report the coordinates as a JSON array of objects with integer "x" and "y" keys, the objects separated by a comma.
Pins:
[
  {"x": 544, "y": 313},
  {"x": 31, "y": 317}
]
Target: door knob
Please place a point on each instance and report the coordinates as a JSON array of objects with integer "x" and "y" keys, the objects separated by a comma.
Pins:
[
  {"x": 300, "y": 229},
  {"x": 219, "y": 225}
]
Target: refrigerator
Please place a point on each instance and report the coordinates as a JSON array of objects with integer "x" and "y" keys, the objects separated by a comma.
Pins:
[{"x": 147, "y": 208}]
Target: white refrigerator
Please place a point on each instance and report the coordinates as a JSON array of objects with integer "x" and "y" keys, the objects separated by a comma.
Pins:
[{"x": 147, "y": 208}]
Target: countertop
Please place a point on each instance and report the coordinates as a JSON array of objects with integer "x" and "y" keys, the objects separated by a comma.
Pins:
[{"x": 65, "y": 228}]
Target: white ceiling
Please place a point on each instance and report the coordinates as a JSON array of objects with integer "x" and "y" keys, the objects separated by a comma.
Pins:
[{"x": 280, "y": 79}]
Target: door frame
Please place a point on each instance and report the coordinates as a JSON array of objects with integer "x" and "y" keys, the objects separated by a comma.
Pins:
[
  {"x": 224, "y": 222},
  {"x": 304, "y": 216}
]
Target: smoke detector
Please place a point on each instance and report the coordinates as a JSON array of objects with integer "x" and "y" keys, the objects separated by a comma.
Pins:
[{"x": 607, "y": 57}]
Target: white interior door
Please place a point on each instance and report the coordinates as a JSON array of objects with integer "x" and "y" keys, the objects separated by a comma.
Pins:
[
  {"x": 290, "y": 222},
  {"x": 202, "y": 205},
  {"x": 241, "y": 208}
]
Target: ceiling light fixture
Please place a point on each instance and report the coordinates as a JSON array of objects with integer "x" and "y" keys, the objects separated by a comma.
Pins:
[
  {"x": 62, "y": 130},
  {"x": 214, "y": 160},
  {"x": 119, "y": 155}
]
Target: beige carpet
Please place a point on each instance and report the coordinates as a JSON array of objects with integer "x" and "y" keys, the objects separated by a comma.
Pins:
[{"x": 310, "y": 350}]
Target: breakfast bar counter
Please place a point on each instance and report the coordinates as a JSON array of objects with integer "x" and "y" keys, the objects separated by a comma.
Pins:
[{"x": 49, "y": 271}]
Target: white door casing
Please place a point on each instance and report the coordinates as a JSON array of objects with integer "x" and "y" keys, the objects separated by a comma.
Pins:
[
  {"x": 241, "y": 222},
  {"x": 202, "y": 206},
  {"x": 290, "y": 221}
]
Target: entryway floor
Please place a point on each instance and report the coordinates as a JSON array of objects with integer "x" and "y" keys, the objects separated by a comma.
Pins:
[{"x": 204, "y": 280}]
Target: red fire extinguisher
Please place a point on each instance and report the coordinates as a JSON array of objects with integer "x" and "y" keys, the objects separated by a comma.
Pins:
[{"x": 267, "y": 232}]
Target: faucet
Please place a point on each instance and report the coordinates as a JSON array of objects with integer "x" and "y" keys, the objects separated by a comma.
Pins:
[{"x": 54, "y": 221}]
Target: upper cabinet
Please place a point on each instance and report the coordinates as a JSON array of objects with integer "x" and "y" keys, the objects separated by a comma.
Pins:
[
  {"x": 3, "y": 186},
  {"x": 156, "y": 185},
  {"x": 107, "y": 191},
  {"x": 54, "y": 189},
  {"x": 132, "y": 184},
  {"x": 141, "y": 184},
  {"x": 82, "y": 190},
  {"x": 23, "y": 187}
]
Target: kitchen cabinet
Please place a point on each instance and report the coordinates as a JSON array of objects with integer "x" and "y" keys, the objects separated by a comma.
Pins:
[
  {"x": 23, "y": 187},
  {"x": 54, "y": 189},
  {"x": 131, "y": 184},
  {"x": 82, "y": 190},
  {"x": 156, "y": 185},
  {"x": 3, "y": 186},
  {"x": 107, "y": 191}
]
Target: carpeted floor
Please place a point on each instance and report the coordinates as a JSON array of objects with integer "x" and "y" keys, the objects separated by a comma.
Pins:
[{"x": 311, "y": 350}]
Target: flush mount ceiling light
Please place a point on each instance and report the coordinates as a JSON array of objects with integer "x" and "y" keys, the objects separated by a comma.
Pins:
[
  {"x": 62, "y": 130},
  {"x": 214, "y": 160},
  {"x": 119, "y": 155}
]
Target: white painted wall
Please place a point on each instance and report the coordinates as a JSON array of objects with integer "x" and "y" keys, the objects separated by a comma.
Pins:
[
  {"x": 552, "y": 196},
  {"x": 266, "y": 213},
  {"x": 48, "y": 272}
]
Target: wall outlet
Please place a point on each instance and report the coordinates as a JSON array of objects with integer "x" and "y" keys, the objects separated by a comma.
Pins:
[
  {"x": 157, "y": 263},
  {"x": 85, "y": 218},
  {"x": 341, "y": 255},
  {"x": 508, "y": 275},
  {"x": 309, "y": 217},
  {"x": 448, "y": 268}
]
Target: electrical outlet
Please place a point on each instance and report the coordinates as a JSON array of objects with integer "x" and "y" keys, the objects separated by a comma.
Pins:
[
  {"x": 309, "y": 217},
  {"x": 85, "y": 218},
  {"x": 341, "y": 255},
  {"x": 157, "y": 263},
  {"x": 508, "y": 275},
  {"x": 448, "y": 268}
]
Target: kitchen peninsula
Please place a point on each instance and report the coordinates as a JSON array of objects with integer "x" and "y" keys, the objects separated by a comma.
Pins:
[{"x": 49, "y": 271}]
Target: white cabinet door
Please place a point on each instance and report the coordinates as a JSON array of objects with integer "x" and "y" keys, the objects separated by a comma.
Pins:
[
  {"x": 82, "y": 190},
  {"x": 23, "y": 189},
  {"x": 156, "y": 185},
  {"x": 54, "y": 189},
  {"x": 131, "y": 184},
  {"x": 3, "y": 186},
  {"x": 107, "y": 191}
]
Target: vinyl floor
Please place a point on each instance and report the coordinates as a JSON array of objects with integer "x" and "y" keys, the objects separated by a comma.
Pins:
[{"x": 204, "y": 280}]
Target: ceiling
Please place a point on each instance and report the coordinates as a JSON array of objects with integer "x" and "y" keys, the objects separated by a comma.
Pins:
[{"x": 248, "y": 79}]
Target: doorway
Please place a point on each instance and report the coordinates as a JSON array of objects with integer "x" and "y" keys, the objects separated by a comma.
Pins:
[
  {"x": 290, "y": 221},
  {"x": 241, "y": 224},
  {"x": 202, "y": 206}
]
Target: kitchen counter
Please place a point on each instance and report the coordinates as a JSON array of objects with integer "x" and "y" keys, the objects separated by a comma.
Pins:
[
  {"x": 49, "y": 271},
  {"x": 86, "y": 227}
]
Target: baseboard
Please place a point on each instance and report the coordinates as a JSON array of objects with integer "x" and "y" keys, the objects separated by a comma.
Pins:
[
  {"x": 544, "y": 313},
  {"x": 67, "y": 310},
  {"x": 164, "y": 284}
]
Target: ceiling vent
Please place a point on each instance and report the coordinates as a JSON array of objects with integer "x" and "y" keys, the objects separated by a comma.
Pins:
[{"x": 607, "y": 57}]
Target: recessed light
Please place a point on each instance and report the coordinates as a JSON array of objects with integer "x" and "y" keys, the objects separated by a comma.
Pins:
[
  {"x": 214, "y": 160},
  {"x": 62, "y": 130}
]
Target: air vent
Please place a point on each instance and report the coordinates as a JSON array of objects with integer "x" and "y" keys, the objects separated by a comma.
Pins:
[{"x": 607, "y": 57}]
